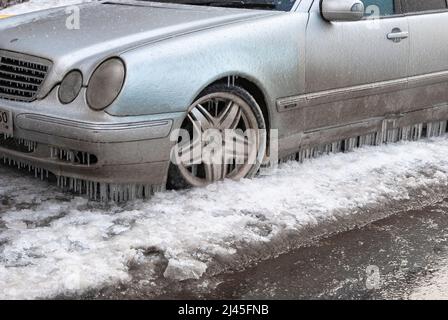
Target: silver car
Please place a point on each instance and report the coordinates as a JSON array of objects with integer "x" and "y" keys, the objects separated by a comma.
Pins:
[{"x": 101, "y": 95}]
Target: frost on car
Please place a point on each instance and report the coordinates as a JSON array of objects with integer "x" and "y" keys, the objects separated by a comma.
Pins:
[{"x": 97, "y": 104}]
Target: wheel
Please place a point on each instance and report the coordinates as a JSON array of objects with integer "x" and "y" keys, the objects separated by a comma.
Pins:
[{"x": 222, "y": 137}]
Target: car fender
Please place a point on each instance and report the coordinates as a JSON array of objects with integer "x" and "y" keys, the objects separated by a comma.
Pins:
[{"x": 167, "y": 76}]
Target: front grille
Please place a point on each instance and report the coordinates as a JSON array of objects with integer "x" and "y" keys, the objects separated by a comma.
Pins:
[
  {"x": 73, "y": 156},
  {"x": 20, "y": 145},
  {"x": 21, "y": 76}
]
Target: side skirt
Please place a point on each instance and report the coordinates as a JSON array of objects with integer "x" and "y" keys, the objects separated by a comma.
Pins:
[{"x": 415, "y": 125}]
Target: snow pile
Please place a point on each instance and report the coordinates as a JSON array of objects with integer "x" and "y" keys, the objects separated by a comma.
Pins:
[
  {"x": 35, "y": 5},
  {"x": 52, "y": 244}
]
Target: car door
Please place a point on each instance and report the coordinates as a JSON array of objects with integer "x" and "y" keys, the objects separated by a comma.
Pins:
[
  {"x": 351, "y": 64},
  {"x": 428, "y": 63}
]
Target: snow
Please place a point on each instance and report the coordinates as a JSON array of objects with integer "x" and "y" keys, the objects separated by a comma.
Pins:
[
  {"x": 35, "y": 5},
  {"x": 52, "y": 243}
]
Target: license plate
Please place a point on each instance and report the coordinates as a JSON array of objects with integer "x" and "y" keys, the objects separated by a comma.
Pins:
[{"x": 6, "y": 126}]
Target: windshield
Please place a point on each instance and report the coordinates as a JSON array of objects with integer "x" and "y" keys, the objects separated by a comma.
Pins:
[{"x": 280, "y": 5}]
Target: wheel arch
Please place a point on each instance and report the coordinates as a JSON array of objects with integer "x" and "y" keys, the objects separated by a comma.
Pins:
[{"x": 253, "y": 87}]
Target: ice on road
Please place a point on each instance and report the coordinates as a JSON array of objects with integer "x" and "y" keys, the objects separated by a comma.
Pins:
[{"x": 52, "y": 243}]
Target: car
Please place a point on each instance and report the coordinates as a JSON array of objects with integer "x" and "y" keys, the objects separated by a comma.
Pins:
[{"x": 105, "y": 96}]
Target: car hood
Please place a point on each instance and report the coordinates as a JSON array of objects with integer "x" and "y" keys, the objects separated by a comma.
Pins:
[{"x": 108, "y": 28}]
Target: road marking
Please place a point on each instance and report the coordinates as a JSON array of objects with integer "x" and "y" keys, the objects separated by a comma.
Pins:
[{"x": 2, "y": 16}]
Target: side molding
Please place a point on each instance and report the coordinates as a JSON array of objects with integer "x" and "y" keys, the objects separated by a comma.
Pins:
[{"x": 316, "y": 98}]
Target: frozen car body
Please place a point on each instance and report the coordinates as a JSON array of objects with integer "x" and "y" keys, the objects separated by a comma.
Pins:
[{"x": 324, "y": 85}]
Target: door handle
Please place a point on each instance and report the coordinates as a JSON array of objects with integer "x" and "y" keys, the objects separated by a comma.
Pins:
[{"x": 397, "y": 35}]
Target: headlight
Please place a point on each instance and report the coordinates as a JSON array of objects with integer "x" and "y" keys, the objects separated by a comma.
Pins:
[
  {"x": 105, "y": 84},
  {"x": 70, "y": 87}
]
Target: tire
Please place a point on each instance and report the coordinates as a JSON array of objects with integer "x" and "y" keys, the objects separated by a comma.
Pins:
[{"x": 232, "y": 107}]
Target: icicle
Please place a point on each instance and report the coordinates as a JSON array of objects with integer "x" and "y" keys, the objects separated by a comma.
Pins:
[{"x": 389, "y": 132}]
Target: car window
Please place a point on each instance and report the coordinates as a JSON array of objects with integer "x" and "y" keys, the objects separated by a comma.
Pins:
[
  {"x": 426, "y": 5},
  {"x": 279, "y": 5},
  {"x": 379, "y": 7}
]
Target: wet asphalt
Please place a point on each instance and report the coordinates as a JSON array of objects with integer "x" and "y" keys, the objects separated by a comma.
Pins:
[
  {"x": 386, "y": 259},
  {"x": 383, "y": 260}
]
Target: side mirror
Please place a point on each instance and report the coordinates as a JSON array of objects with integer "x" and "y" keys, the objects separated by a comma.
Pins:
[{"x": 342, "y": 10}]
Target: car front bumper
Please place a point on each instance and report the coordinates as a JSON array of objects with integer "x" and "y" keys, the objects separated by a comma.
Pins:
[{"x": 83, "y": 145}]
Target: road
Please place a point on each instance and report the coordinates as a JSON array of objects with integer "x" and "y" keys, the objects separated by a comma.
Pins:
[
  {"x": 406, "y": 255},
  {"x": 406, "y": 250}
]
